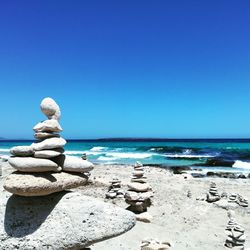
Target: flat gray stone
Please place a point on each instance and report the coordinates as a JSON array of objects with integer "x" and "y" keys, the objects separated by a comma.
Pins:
[
  {"x": 22, "y": 151},
  {"x": 139, "y": 187},
  {"x": 48, "y": 126},
  {"x": 48, "y": 153},
  {"x": 30, "y": 164},
  {"x": 50, "y": 143},
  {"x": 45, "y": 135},
  {"x": 50, "y": 108},
  {"x": 39, "y": 184},
  {"x": 60, "y": 221},
  {"x": 74, "y": 164}
]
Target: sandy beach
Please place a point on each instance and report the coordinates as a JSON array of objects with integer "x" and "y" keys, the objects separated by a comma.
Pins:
[{"x": 187, "y": 223}]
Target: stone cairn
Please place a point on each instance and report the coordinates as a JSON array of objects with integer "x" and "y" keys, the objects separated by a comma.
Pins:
[
  {"x": 213, "y": 194},
  {"x": 42, "y": 168},
  {"x": 239, "y": 199},
  {"x": 153, "y": 244},
  {"x": 235, "y": 233},
  {"x": 115, "y": 190},
  {"x": 139, "y": 191}
]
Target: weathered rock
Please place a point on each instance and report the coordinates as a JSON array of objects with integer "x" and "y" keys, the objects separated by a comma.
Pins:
[
  {"x": 50, "y": 108},
  {"x": 134, "y": 196},
  {"x": 144, "y": 217},
  {"x": 30, "y": 164},
  {"x": 60, "y": 221},
  {"x": 22, "y": 151},
  {"x": 73, "y": 164},
  {"x": 139, "y": 187},
  {"x": 48, "y": 153},
  {"x": 48, "y": 126},
  {"x": 50, "y": 143},
  {"x": 45, "y": 135},
  {"x": 39, "y": 184}
]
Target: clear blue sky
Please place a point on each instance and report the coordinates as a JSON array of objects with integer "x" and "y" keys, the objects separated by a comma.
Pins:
[{"x": 133, "y": 68}]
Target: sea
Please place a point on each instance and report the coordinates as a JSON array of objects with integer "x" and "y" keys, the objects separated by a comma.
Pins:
[{"x": 206, "y": 154}]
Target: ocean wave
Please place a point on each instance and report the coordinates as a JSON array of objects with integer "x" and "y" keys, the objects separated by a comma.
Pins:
[
  {"x": 242, "y": 165},
  {"x": 4, "y": 150},
  {"x": 97, "y": 149},
  {"x": 187, "y": 156},
  {"x": 105, "y": 158},
  {"x": 74, "y": 152},
  {"x": 129, "y": 155}
]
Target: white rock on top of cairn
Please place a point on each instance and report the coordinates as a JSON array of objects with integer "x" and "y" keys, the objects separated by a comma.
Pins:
[
  {"x": 235, "y": 233},
  {"x": 45, "y": 156},
  {"x": 139, "y": 192}
]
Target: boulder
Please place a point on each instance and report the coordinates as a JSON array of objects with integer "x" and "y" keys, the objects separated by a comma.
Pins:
[
  {"x": 50, "y": 143},
  {"x": 22, "y": 151},
  {"x": 59, "y": 221},
  {"x": 50, "y": 108},
  {"x": 30, "y": 164},
  {"x": 73, "y": 164},
  {"x": 48, "y": 126},
  {"x": 45, "y": 135},
  {"x": 48, "y": 153},
  {"x": 139, "y": 187},
  {"x": 39, "y": 184}
]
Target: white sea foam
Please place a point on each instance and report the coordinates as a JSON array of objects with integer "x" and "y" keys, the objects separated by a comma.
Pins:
[
  {"x": 74, "y": 152},
  {"x": 187, "y": 156},
  {"x": 4, "y": 150},
  {"x": 98, "y": 149},
  {"x": 104, "y": 158},
  {"x": 241, "y": 164},
  {"x": 129, "y": 155}
]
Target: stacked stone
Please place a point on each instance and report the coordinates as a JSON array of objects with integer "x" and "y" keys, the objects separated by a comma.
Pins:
[
  {"x": 40, "y": 165},
  {"x": 139, "y": 191},
  {"x": 235, "y": 233},
  {"x": 213, "y": 194},
  {"x": 115, "y": 190},
  {"x": 241, "y": 201},
  {"x": 153, "y": 244}
]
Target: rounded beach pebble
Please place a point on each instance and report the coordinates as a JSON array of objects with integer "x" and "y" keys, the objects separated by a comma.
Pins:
[{"x": 50, "y": 108}]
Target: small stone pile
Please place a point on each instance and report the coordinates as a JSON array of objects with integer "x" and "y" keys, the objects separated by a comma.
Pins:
[
  {"x": 115, "y": 190},
  {"x": 213, "y": 194},
  {"x": 238, "y": 199},
  {"x": 152, "y": 244},
  {"x": 235, "y": 233},
  {"x": 139, "y": 191},
  {"x": 40, "y": 165}
]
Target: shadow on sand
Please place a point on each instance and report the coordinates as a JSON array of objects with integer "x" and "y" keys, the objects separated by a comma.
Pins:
[{"x": 24, "y": 215}]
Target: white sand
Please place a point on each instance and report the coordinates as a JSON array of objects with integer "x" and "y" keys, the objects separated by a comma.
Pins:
[{"x": 186, "y": 222}]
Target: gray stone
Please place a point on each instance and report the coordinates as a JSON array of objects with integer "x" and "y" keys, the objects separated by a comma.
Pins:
[
  {"x": 60, "y": 221},
  {"x": 74, "y": 164},
  {"x": 134, "y": 196},
  {"x": 22, "y": 151},
  {"x": 48, "y": 126},
  {"x": 139, "y": 187},
  {"x": 48, "y": 153},
  {"x": 45, "y": 135},
  {"x": 39, "y": 184},
  {"x": 50, "y": 108},
  {"x": 30, "y": 164},
  {"x": 50, "y": 143},
  {"x": 144, "y": 217}
]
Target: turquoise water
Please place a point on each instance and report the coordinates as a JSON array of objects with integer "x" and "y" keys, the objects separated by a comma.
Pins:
[{"x": 220, "y": 154}]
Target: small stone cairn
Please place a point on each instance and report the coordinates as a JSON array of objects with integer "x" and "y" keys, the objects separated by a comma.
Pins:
[
  {"x": 235, "y": 233},
  {"x": 42, "y": 168},
  {"x": 238, "y": 199},
  {"x": 213, "y": 194},
  {"x": 139, "y": 191},
  {"x": 115, "y": 190}
]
